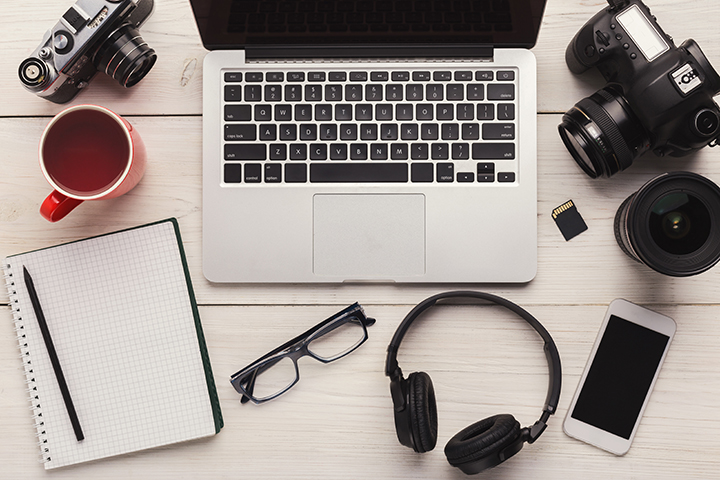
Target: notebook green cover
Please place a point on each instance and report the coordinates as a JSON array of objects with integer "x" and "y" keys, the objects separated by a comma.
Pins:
[{"x": 124, "y": 320}]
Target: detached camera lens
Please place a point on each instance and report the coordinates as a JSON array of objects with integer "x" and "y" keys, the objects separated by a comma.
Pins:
[
  {"x": 33, "y": 72},
  {"x": 125, "y": 56},
  {"x": 602, "y": 134},
  {"x": 672, "y": 224}
]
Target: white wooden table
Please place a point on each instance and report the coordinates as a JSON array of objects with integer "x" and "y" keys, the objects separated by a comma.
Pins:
[{"x": 337, "y": 422}]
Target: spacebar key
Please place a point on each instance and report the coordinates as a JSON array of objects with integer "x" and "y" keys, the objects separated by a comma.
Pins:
[{"x": 358, "y": 172}]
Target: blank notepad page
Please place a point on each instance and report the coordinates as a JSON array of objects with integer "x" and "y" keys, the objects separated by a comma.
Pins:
[{"x": 122, "y": 317}]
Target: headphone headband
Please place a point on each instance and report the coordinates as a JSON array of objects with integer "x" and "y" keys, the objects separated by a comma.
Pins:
[{"x": 392, "y": 369}]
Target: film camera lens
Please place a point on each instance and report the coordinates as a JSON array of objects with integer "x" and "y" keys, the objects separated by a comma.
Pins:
[
  {"x": 602, "y": 134},
  {"x": 125, "y": 56},
  {"x": 672, "y": 224}
]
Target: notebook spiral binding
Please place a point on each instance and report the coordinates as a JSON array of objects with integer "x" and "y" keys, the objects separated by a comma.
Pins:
[{"x": 33, "y": 396}]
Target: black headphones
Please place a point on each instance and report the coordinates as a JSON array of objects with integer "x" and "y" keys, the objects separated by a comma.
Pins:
[{"x": 484, "y": 444}]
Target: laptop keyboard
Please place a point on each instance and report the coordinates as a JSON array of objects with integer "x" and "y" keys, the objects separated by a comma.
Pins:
[{"x": 447, "y": 125}]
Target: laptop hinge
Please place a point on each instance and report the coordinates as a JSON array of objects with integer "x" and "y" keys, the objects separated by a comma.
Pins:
[{"x": 265, "y": 52}]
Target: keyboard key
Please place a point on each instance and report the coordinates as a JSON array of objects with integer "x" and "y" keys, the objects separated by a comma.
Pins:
[
  {"x": 463, "y": 76},
  {"x": 263, "y": 113},
  {"x": 358, "y": 76},
  {"x": 505, "y": 75},
  {"x": 283, "y": 113},
  {"x": 242, "y": 132},
  {"x": 421, "y": 76},
  {"x": 274, "y": 76},
  {"x": 254, "y": 77},
  {"x": 232, "y": 173},
  {"x": 343, "y": 112},
  {"x": 445, "y": 111},
  {"x": 233, "y": 93},
  {"x": 358, "y": 172},
  {"x": 445, "y": 172},
  {"x": 308, "y": 131},
  {"x": 485, "y": 177},
  {"x": 485, "y": 167},
  {"x": 497, "y": 91},
  {"x": 484, "y": 75},
  {"x": 421, "y": 172},
  {"x": 393, "y": 91},
  {"x": 429, "y": 131},
  {"x": 373, "y": 93},
  {"x": 278, "y": 151},
  {"x": 303, "y": 113},
  {"x": 298, "y": 151},
  {"x": 490, "y": 151},
  {"x": 388, "y": 131},
  {"x": 328, "y": 131},
  {"x": 338, "y": 151},
  {"x": 398, "y": 151},
  {"x": 439, "y": 151},
  {"x": 333, "y": 93},
  {"x": 323, "y": 112},
  {"x": 455, "y": 92},
  {"x": 238, "y": 113},
  {"x": 245, "y": 151},
  {"x": 460, "y": 151},
  {"x": 363, "y": 112},
  {"x": 409, "y": 131},
  {"x": 442, "y": 76},
  {"x": 316, "y": 76},
  {"x": 475, "y": 91},
  {"x": 399, "y": 76},
  {"x": 419, "y": 151},
  {"x": 368, "y": 131},
  {"x": 465, "y": 177},
  {"x": 450, "y": 131},
  {"x": 233, "y": 76},
  {"x": 506, "y": 177},
  {"x": 293, "y": 93},
  {"x": 465, "y": 112},
  {"x": 378, "y": 76},
  {"x": 288, "y": 131},
  {"x": 358, "y": 151},
  {"x": 253, "y": 93},
  {"x": 337, "y": 76},
  {"x": 313, "y": 93},
  {"x": 296, "y": 76},
  {"x": 295, "y": 173},
  {"x": 253, "y": 172},
  {"x": 434, "y": 91},
  {"x": 424, "y": 111},
  {"x": 470, "y": 131},
  {"x": 498, "y": 131},
  {"x": 348, "y": 131},
  {"x": 273, "y": 173},
  {"x": 486, "y": 111},
  {"x": 318, "y": 151},
  {"x": 353, "y": 93},
  {"x": 506, "y": 111},
  {"x": 378, "y": 151}
]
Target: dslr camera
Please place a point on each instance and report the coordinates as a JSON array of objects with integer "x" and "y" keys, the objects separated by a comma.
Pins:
[
  {"x": 92, "y": 35},
  {"x": 659, "y": 97}
]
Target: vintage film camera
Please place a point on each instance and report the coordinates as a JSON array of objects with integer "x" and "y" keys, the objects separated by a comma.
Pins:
[
  {"x": 659, "y": 96},
  {"x": 93, "y": 35}
]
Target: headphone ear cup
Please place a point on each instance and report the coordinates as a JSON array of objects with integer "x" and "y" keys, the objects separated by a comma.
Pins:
[
  {"x": 478, "y": 446},
  {"x": 423, "y": 412}
]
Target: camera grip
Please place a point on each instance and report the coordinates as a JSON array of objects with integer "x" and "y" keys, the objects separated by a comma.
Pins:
[{"x": 57, "y": 205}]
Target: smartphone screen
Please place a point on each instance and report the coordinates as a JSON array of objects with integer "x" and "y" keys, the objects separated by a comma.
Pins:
[{"x": 620, "y": 377}]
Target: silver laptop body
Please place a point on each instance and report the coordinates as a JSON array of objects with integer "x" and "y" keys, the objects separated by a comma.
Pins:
[{"x": 291, "y": 210}]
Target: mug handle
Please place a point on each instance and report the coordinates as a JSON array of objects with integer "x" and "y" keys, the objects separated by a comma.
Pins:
[{"x": 57, "y": 205}]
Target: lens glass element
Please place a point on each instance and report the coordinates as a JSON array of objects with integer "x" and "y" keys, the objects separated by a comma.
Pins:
[{"x": 680, "y": 223}]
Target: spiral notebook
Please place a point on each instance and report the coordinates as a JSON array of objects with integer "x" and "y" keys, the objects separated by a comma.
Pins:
[{"x": 123, "y": 319}]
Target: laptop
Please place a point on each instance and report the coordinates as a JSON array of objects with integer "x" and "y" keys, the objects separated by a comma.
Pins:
[{"x": 369, "y": 141}]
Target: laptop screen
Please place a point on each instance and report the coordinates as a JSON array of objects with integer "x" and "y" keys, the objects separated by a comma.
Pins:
[{"x": 232, "y": 24}]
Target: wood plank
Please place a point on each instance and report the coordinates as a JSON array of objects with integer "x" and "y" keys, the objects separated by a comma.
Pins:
[
  {"x": 588, "y": 269},
  {"x": 174, "y": 86},
  {"x": 337, "y": 421}
]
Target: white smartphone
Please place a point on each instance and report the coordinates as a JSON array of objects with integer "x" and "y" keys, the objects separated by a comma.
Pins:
[{"x": 620, "y": 374}]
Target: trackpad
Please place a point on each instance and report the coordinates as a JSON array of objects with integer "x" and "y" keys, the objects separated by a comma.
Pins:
[{"x": 377, "y": 237}]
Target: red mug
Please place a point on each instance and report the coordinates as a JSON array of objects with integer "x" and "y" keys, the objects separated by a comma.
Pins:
[{"x": 88, "y": 152}]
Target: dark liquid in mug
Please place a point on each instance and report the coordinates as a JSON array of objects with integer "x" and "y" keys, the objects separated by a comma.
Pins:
[{"x": 86, "y": 152}]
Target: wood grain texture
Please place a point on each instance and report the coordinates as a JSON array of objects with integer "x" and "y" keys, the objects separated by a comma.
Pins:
[{"x": 337, "y": 422}]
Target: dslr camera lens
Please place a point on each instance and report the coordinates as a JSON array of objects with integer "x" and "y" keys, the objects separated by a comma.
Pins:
[
  {"x": 602, "y": 134},
  {"x": 672, "y": 224}
]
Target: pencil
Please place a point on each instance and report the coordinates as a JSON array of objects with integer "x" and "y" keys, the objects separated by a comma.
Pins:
[{"x": 53, "y": 355}]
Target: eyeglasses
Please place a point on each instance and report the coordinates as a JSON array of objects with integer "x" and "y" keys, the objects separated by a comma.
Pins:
[{"x": 275, "y": 373}]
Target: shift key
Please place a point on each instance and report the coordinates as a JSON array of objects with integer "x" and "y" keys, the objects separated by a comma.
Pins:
[
  {"x": 245, "y": 151},
  {"x": 493, "y": 151}
]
